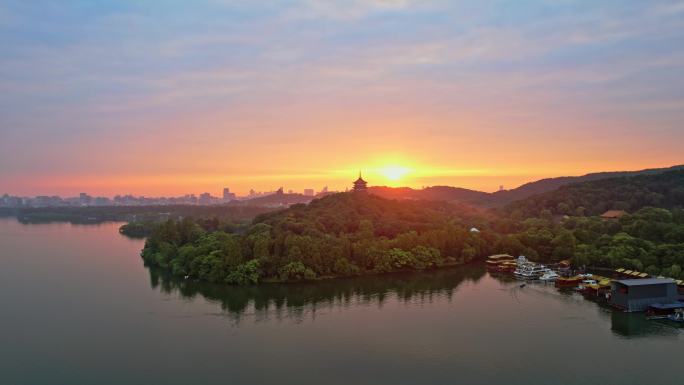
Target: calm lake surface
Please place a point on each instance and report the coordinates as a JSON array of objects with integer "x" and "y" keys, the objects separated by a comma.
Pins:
[{"x": 77, "y": 306}]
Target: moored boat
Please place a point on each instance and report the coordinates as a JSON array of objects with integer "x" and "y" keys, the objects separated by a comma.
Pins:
[
  {"x": 677, "y": 316},
  {"x": 493, "y": 261},
  {"x": 663, "y": 310},
  {"x": 507, "y": 267},
  {"x": 598, "y": 290},
  {"x": 530, "y": 271},
  {"x": 569, "y": 282},
  {"x": 549, "y": 276}
]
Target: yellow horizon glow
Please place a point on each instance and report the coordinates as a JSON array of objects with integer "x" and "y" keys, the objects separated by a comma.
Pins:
[
  {"x": 394, "y": 173},
  {"x": 405, "y": 170}
]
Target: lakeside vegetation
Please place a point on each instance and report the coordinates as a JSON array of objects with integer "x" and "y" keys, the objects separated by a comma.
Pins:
[
  {"x": 350, "y": 234},
  {"x": 345, "y": 234},
  {"x": 648, "y": 238}
]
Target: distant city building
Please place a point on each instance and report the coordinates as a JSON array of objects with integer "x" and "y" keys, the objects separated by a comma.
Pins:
[
  {"x": 360, "y": 185},
  {"x": 309, "y": 192},
  {"x": 84, "y": 199},
  {"x": 102, "y": 201},
  {"x": 206, "y": 199},
  {"x": 227, "y": 195}
]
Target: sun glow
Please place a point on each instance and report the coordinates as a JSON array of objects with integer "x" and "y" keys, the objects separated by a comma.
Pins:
[{"x": 394, "y": 173}]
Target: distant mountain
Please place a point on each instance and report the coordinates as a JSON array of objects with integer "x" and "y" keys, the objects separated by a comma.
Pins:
[
  {"x": 434, "y": 193},
  {"x": 628, "y": 193},
  {"x": 501, "y": 198},
  {"x": 549, "y": 184}
]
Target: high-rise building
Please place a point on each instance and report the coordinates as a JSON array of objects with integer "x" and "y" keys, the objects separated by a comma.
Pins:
[
  {"x": 84, "y": 199},
  {"x": 205, "y": 198},
  {"x": 227, "y": 195}
]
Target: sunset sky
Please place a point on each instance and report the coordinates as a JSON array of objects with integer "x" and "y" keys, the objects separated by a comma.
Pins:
[{"x": 175, "y": 97}]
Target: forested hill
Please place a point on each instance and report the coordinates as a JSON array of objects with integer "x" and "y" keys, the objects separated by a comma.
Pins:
[
  {"x": 343, "y": 213},
  {"x": 501, "y": 198},
  {"x": 339, "y": 235},
  {"x": 628, "y": 193},
  {"x": 550, "y": 184},
  {"x": 434, "y": 193}
]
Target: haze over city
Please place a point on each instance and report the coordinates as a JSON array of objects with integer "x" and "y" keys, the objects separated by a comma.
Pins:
[{"x": 129, "y": 97}]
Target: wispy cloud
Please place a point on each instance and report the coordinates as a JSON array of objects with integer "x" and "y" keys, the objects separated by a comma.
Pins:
[{"x": 224, "y": 70}]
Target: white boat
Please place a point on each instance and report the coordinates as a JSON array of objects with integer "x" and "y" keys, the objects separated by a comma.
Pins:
[
  {"x": 586, "y": 282},
  {"x": 530, "y": 271},
  {"x": 677, "y": 316},
  {"x": 549, "y": 276}
]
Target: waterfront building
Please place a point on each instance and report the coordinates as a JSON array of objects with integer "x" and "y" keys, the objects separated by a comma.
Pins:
[
  {"x": 637, "y": 294},
  {"x": 360, "y": 185}
]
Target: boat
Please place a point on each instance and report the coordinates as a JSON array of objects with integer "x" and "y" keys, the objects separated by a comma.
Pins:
[
  {"x": 598, "y": 290},
  {"x": 493, "y": 261},
  {"x": 530, "y": 271},
  {"x": 549, "y": 276},
  {"x": 522, "y": 260},
  {"x": 663, "y": 310},
  {"x": 586, "y": 282},
  {"x": 569, "y": 282},
  {"x": 677, "y": 316},
  {"x": 507, "y": 267},
  {"x": 562, "y": 268}
]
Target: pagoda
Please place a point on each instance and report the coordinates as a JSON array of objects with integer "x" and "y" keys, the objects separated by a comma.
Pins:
[{"x": 360, "y": 184}]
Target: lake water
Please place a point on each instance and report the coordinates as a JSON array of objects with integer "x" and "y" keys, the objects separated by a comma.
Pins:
[{"x": 77, "y": 306}]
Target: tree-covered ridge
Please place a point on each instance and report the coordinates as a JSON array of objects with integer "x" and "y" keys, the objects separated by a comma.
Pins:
[
  {"x": 664, "y": 190},
  {"x": 351, "y": 234},
  {"x": 650, "y": 240},
  {"x": 340, "y": 235}
]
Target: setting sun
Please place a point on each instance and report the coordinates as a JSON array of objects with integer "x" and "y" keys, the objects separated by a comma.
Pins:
[{"x": 394, "y": 173}]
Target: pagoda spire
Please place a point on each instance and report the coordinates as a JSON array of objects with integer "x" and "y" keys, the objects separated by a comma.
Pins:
[{"x": 360, "y": 184}]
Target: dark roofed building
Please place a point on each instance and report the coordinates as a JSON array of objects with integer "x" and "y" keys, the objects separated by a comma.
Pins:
[
  {"x": 637, "y": 294},
  {"x": 613, "y": 214},
  {"x": 360, "y": 184}
]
